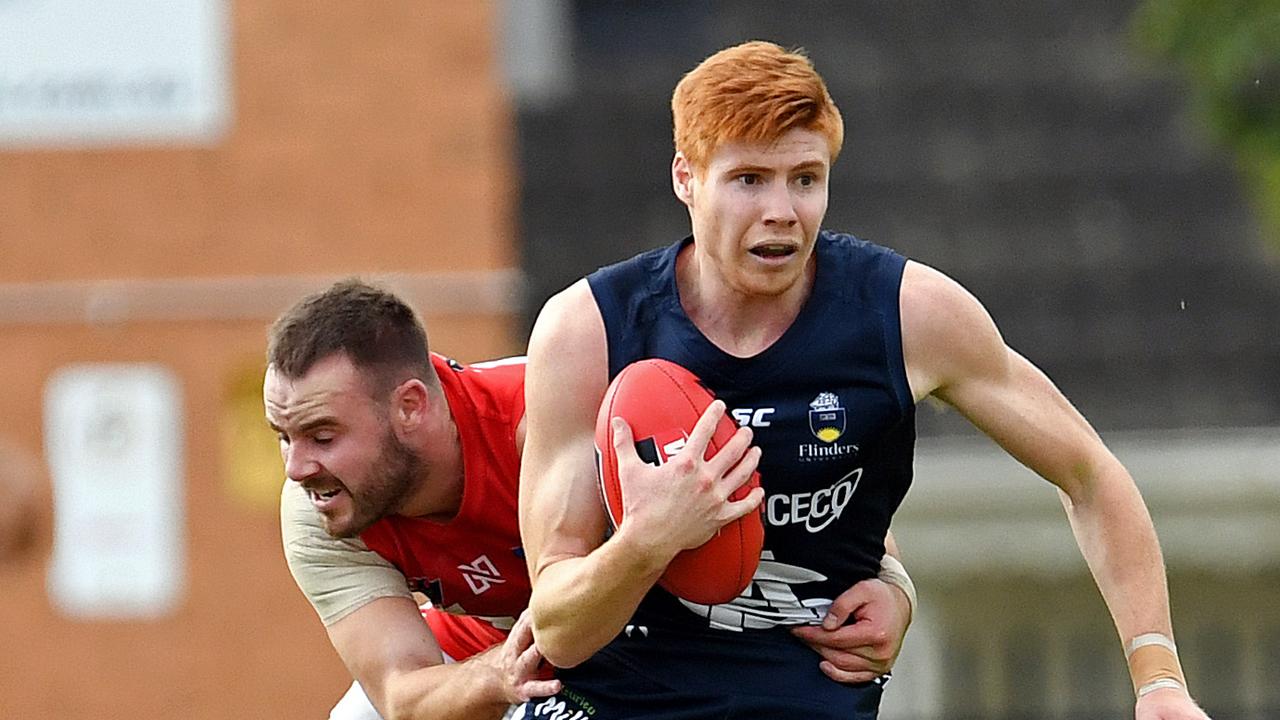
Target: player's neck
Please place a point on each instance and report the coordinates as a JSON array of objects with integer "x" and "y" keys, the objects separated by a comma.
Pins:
[
  {"x": 739, "y": 323},
  {"x": 438, "y": 492}
]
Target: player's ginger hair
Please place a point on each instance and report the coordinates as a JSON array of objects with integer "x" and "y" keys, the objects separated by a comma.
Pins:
[{"x": 753, "y": 92}]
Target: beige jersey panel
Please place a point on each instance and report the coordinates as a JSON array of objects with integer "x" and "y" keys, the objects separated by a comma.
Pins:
[{"x": 337, "y": 576}]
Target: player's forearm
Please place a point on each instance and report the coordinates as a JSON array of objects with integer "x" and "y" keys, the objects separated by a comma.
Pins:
[
  {"x": 1116, "y": 536},
  {"x": 579, "y": 604},
  {"x": 470, "y": 690}
]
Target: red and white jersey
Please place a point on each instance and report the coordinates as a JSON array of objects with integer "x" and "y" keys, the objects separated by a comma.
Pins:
[
  {"x": 473, "y": 564},
  {"x": 461, "y": 636}
]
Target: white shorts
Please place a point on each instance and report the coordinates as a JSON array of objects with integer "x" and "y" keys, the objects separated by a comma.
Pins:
[{"x": 354, "y": 705}]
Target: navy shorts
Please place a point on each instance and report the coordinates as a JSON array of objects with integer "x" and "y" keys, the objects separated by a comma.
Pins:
[{"x": 712, "y": 676}]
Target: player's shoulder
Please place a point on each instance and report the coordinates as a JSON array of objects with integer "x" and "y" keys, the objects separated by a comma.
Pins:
[
  {"x": 946, "y": 332},
  {"x": 877, "y": 268},
  {"x": 646, "y": 263},
  {"x": 337, "y": 575},
  {"x": 849, "y": 242},
  {"x": 932, "y": 299},
  {"x": 488, "y": 390},
  {"x": 496, "y": 372},
  {"x": 483, "y": 383},
  {"x": 568, "y": 351},
  {"x": 923, "y": 283},
  {"x": 568, "y": 316},
  {"x": 573, "y": 298},
  {"x": 627, "y": 291}
]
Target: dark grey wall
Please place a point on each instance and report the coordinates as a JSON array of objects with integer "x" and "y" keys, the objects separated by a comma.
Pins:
[{"x": 1029, "y": 152}]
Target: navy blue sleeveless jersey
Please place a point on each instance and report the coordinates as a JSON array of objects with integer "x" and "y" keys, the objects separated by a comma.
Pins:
[{"x": 831, "y": 410}]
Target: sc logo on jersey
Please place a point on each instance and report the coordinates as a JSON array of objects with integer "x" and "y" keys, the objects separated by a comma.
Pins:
[{"x": 752, "y": 417}]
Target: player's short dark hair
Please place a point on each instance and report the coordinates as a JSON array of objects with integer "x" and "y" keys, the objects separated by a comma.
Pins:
[{"x": 373, "y": 327}]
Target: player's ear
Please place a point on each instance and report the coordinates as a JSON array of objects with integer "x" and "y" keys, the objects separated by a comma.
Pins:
[
  {"x": 410, "y": 404},
  {"x": 682, "y": 178}
]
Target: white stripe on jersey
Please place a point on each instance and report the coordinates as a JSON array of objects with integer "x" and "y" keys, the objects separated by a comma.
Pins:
[{"x": 500, "y": 362}]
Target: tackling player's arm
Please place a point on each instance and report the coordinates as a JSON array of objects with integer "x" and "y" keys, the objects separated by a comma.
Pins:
[
  {"x": 584, "y": 592},
  {"x": 390, "y": 650},
  {"x": 953, "y": 351},
  {"x": 378, "y": 631}
]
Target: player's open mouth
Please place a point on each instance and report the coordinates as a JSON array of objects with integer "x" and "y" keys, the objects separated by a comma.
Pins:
[
  {"x": 771, "y": 251},
  {"x": 324, "y": 499}
]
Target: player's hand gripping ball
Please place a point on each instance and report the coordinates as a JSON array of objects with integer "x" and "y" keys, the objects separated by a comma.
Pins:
[{"x": 662, "y": 401}]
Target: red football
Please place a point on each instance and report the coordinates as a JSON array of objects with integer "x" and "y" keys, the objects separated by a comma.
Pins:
[{"x": 662, "y": 402}]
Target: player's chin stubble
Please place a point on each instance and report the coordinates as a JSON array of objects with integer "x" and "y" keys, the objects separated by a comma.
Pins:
[{"x": 390, "y": 480}]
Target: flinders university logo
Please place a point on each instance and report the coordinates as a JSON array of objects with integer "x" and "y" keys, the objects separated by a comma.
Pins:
[{"x": 826, "y": 417}]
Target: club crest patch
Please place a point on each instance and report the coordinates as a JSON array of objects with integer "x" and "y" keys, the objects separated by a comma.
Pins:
[{"x": 826, "y": 417}]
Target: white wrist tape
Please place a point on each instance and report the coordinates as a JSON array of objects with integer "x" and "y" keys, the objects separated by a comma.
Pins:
[
  {"x": 1160, "y": 685},
  {"x": 1149, "y": 639},
  {"x": 893, "y": 572},
  {"x": 1153, "y": 664}
]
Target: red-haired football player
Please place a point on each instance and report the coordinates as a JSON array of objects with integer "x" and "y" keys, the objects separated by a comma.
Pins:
[
  {"x": 833, "y": 340},
  {"x": 403, "y": 470}
]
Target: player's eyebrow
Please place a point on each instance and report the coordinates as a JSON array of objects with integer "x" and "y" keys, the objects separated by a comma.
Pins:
[
  {"x": 747, "y": 167},
  {"x": 806, "y": 166},
  {"x": 809, "y": 165},
  {"x": 309, "y": 425}
]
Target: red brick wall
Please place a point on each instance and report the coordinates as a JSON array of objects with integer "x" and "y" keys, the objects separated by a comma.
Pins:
[{"x": 366, "y": 138}]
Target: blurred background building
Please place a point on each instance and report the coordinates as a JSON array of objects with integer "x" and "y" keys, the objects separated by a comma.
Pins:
[{"x": 479, "y": 157}]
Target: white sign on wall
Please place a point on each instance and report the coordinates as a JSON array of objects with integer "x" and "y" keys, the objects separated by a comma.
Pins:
[
  {"x": 76, "y": 73},
  {"x": 113, "y": 443}
]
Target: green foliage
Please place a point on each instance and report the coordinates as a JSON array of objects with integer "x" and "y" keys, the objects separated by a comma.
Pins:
[{"x": 1229, "y": 50}]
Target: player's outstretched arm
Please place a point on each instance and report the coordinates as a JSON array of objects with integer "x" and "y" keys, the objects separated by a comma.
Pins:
[
  {"x": 390, "y": 650},
  {"x": 954, "y": 352},
  {"x": 585, "y": 589}
]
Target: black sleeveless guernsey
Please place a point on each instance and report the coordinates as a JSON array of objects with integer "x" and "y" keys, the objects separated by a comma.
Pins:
[{"x": 832, "y": 412}]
